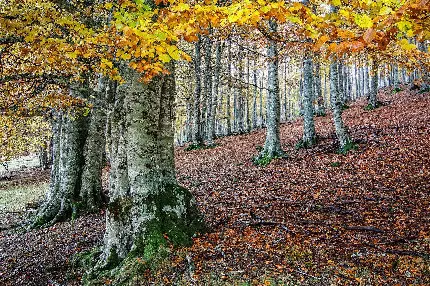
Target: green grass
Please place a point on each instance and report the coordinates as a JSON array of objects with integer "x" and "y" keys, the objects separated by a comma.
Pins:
[
  {"x": 350, "y": 146},
  {"x": 15, "y": 198}
]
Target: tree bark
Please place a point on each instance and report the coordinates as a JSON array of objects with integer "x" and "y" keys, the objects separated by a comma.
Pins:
[
  {"x": 254, "y": 97},
  {"x": 228, "y": 99},
  {"x": 374, "y": 88},
  {"x": 78, "y": 145},
  {"x": 215, "y": 91},
  {"x": 341, "y": 132},
  {"x": 146, "y": 205},
  {"x": 272, "y": 146},
  {"x": 309, "y": 137},
  {"x": 207, "y": 88},
  {"x": 197, "y": 137},
  {"x": 320, "y": 110}
]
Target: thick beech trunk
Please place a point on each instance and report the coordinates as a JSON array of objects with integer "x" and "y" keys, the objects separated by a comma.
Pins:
[
  {"x": 272, "y": 146},
  {"x": 77, "y": 151},
  {"x": 146, "y": 203},
  {"x": 341, "y": 132}
]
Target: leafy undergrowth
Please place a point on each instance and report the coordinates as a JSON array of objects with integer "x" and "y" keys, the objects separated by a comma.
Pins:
[{"x": 316, "y": 217}]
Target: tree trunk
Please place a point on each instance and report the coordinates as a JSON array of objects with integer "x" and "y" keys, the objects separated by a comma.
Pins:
[
  {"x": 44, "y": 157},
  {"x": 272, "y": 146},
  {"x": 214, "y": 97},
  {"x": 309, "y": 137},
  {"x": 228, "y": 105},
  {"x": 207, "y": 88},
  {"x": 320, "y": 110},
  {"x": 341, "y": 132},
  {"x": 91, "y": 195},
  {"x": 146, "y": 205},
  {"x": 78, "y": 145},
  {"x": 240, "y": 99},
  {"x": 374, "y": 89},
  {"x": 254, "y": 97},
  {"x": 66, "y": 171},
  {"x": 197, "y": 138}
]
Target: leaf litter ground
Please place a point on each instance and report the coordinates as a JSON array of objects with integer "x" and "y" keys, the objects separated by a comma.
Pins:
[{"x": 314, "y": 218}]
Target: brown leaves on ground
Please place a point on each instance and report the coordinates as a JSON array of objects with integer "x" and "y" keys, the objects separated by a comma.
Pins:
[
  {"x": 364, "y": 216},
  {"x": 316, "y": 217}
]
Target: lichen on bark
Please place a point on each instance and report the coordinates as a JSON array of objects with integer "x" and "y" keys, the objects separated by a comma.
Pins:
[{"x": 148, "y": 210}]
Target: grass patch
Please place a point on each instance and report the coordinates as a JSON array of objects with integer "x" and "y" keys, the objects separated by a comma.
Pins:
[
  {"x": 350, "y": 146},
  {"x": 262, "y": 160},
  {"x": 344, "y": 107},
  {"x": 396, "y": 90},
  {"x": 335, "y": 164},
  {"x": 15, "y": 198},
  {"x": 369, "y": 107}
]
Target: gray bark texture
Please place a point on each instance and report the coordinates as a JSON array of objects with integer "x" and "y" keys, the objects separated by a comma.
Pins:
[
  {"x": 309, "y": 137},
  {"x": 78, "y": 144},
  {"x": 374, "y": 84},
  {"x": 207, "y": 87},
  {"x": 320, "y": 109},
  {"x": 214, "y": 96},
  {"x": 341, "y": 132},
  {"x": 272, "y": 146},
  {"x": 228, "y": 104},
  {"x": 254, "y": 97},
  {"x": 146, "y": 203},
  {"x": 197, "y": 137}
]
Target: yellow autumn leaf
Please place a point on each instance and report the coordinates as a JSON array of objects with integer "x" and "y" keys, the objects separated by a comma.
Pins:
[
  {"x": 385, "y": 10},
  {"x": 404, "y": 26},
  {"x": 336, "y": 2},
  {"x": 173, "y": 52},
  {"x": 405, "y": 45},
  {"x": 363, "y": 21},
  {"x": 165, "y": 58}
]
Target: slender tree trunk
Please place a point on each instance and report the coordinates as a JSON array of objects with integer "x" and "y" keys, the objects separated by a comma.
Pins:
[
  {"x": 228, "y": 107},
  {"x": 211, "y": 123},
  {"x": 285, "y": 92},
  {"x": 189, "y": 121},
  {"x": 309, "y": 137},
  {"x": 254, "y": 97},
  {"x": 207, "y": 89},
  {"x": 374, "y": 90},
  {"x": 240, "y": 99},
  {"x": 146, "y": 203},
  {"x": 272, "y": 146},
  {"x": 197, "y": 136},
  {"x": 320, "y": 110},
  {"x": 261, "y": 105},
  {"x": 341, "y": 132}
]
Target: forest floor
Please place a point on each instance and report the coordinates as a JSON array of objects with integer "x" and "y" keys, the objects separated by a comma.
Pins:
[{"x": 314, "y": 218}]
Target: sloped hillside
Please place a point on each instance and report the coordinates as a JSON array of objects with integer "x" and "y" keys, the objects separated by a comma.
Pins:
[{"x": 314, "y": 218}]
